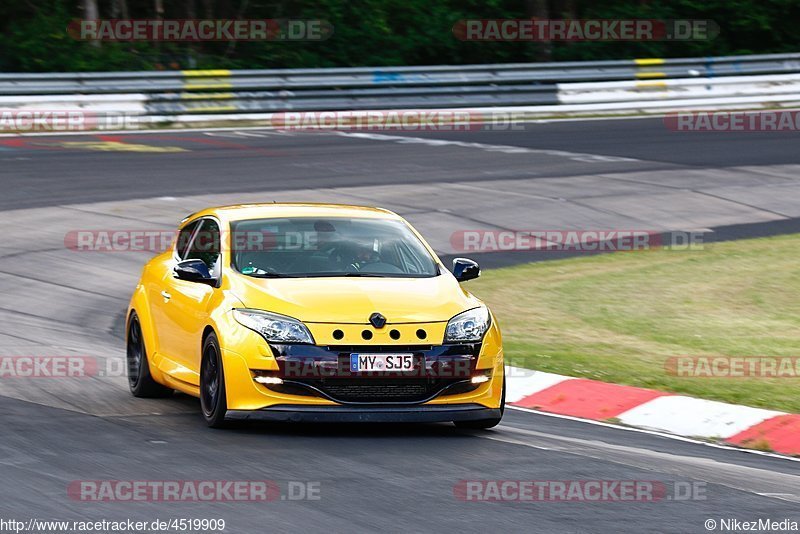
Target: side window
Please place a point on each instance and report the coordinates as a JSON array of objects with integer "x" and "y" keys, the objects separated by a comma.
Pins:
[
  {"x": 184, "y": 237},
  {"x": 206, "y": 246}
]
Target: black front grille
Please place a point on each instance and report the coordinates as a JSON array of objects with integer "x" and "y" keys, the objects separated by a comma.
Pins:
[
  {"x": 376, "y": 390},
  {"x": 325, "y": 371}
]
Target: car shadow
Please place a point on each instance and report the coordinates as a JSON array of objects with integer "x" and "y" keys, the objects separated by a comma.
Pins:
[
  {"x": 321, "y": 430},
  {"x": 353, "y": 430}
]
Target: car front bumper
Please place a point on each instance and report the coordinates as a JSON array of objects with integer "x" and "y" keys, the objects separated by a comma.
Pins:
[
  {"x": 367, "y": 414},
  {"x": 247, "y": 354}
]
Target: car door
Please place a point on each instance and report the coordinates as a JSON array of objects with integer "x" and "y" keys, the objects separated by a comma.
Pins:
[
  {"x": 157, "y": 288},
  {"x": 186, "y": 305}
]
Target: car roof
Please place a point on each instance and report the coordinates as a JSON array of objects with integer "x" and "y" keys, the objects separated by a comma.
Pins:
[{"x": 240, "y": 212}]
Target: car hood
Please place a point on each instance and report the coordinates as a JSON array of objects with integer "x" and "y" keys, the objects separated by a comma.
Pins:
[{"x": 353, "y": 300}]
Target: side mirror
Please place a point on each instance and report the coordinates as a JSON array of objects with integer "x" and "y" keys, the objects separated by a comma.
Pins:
[
  {"x": 465, "y": 269},
  {"x": 194, "y": 271}
]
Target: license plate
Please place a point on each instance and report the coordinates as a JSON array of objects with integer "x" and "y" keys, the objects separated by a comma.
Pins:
[{"x": 381, "y": 362}]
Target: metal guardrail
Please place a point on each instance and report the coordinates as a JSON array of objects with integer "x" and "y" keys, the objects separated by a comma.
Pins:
[{"x": 254, "y": 91}]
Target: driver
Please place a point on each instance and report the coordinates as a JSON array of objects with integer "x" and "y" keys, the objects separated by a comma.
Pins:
[{"x": 364, "y": 256}]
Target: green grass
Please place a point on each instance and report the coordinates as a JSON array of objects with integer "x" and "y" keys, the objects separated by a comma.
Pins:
[{"x": 618, "y": 317}]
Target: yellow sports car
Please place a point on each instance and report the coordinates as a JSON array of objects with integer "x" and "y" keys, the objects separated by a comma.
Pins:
[{"x": 313, "y": 312}]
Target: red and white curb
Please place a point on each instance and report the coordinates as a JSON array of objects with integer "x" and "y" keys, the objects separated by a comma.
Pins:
[{"x": 654, "y": 410}]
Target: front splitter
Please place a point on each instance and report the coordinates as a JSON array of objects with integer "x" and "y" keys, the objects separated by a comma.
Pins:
[{"x": 367, "y": 414}]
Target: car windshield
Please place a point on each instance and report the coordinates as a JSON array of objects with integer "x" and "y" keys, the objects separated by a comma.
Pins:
[{"x": 314, "y": 247}]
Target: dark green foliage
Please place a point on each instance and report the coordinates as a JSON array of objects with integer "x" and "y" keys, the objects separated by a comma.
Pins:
[{"x": 377, "y": 32}]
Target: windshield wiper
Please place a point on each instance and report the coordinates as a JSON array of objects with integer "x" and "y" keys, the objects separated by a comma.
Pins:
[{"x": 272, "y": 275}]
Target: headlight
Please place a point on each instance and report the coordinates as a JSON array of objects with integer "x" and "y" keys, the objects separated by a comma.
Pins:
[
  {"x": 468, "y": 326},
  {"x": 274, "y": 327}
]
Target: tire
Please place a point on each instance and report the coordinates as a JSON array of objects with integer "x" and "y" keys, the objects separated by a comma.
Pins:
[
  {"x": 213, "y": 398},
  {"x": 483, "y": 424},
  {"x": 140, "y": 381}
]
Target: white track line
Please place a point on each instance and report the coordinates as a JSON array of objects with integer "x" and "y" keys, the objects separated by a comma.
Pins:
[
  {"x": 650, "y": 432},
  {"x": 507, "y": 149}
]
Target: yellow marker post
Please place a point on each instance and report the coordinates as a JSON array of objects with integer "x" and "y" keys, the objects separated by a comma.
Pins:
[{"x": 205, "y": 80}]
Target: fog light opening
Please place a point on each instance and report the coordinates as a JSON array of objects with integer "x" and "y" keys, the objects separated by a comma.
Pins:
[{"x": 480, "y": 379}]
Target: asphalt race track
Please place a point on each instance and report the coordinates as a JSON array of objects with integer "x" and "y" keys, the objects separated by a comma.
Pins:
[{"x": 633, "y": 174}]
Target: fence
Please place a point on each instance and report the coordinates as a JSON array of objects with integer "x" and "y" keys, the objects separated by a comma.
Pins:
[{"x": 530, "y": 88}]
